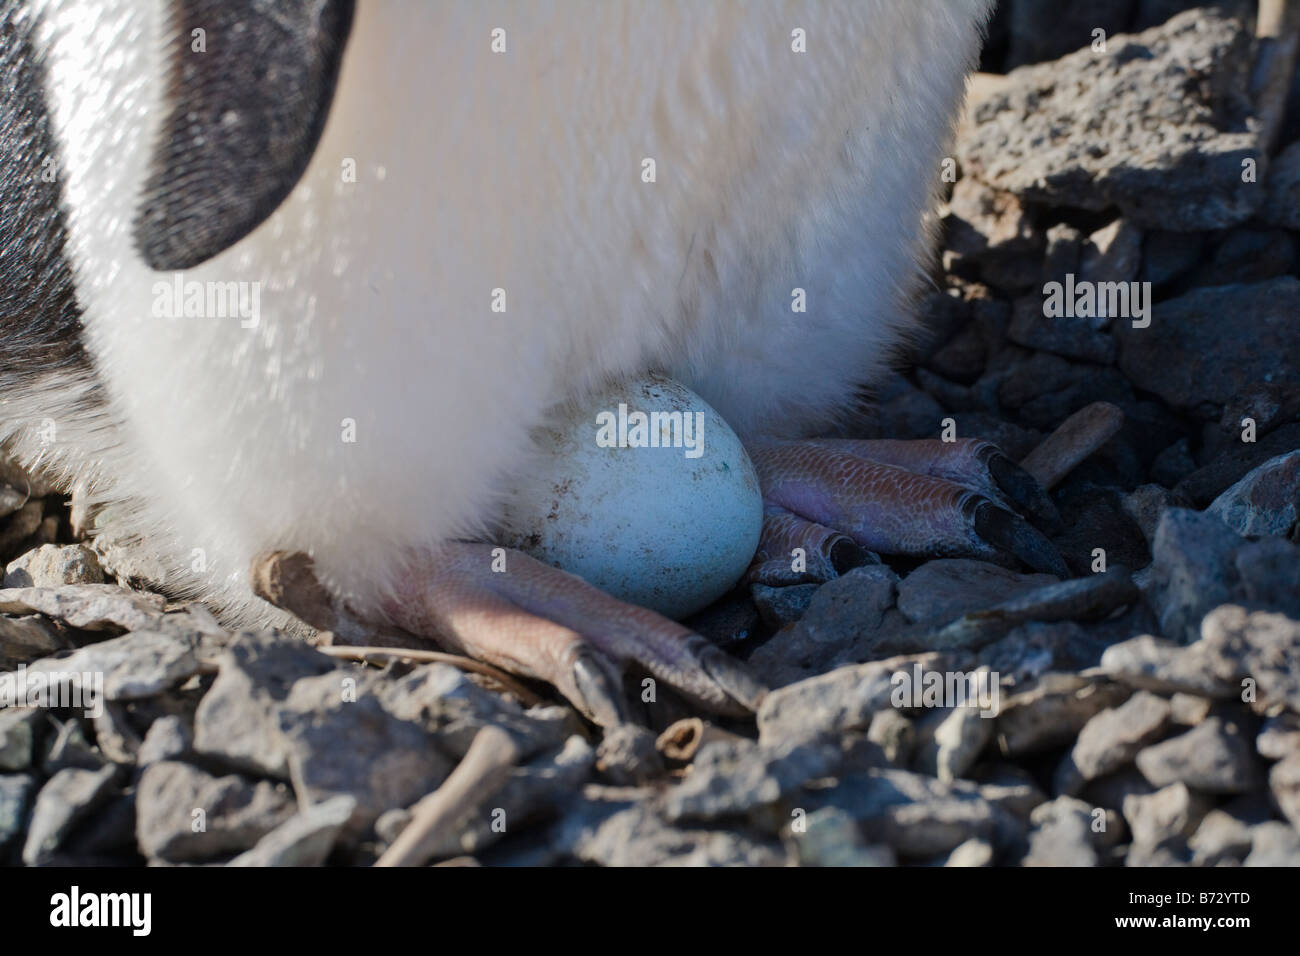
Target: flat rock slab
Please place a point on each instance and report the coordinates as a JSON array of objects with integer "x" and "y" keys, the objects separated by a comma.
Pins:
[
  {"x": 941, "y": 590},
  {"x": 133, "y": 666},
  {"x": 91, "y": 607},
  {"x": 1208, "y": 346},
  {"x": 1158, "y": 125}
]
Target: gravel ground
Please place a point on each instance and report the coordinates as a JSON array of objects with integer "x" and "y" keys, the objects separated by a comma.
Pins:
[{"x": 1146, "y": 712}]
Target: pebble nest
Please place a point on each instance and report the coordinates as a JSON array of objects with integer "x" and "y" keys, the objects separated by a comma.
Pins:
[{"x": 1147, "y": 711}]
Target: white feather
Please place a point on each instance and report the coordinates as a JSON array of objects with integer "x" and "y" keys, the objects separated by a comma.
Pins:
[{"x": 522, "y": 171}]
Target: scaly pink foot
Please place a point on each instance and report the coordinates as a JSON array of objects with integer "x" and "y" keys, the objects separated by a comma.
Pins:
[
  {"x": 537, "y": 621},
  {"x": 921, "y": 498}
]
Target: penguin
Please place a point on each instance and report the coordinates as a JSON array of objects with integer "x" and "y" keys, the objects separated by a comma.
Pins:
[{"x": 251, "y": 247}]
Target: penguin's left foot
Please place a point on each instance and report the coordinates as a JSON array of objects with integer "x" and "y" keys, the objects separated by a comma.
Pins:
[
  {"x": 507, "y": 609},
  {"x": 928, "y": 498}
]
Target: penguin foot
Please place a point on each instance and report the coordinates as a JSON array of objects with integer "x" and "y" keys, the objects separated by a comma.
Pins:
[
  {"x": 507, "y": 609},
  {"x": 839, "y": 498}
]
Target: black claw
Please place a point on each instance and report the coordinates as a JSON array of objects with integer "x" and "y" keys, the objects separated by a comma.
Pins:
[
  {"x": 602, "y": 694},
  {"x": 1023, "y": 490},
  {"x": 732, "y": 676},
  {"x": 1010, "y": 532}
]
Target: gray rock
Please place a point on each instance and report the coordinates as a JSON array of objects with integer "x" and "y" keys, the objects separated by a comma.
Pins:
[
  {"x": 1145, "y": 504},
  {"x": 1204, "y": 484},
  {"x": 1070, "y": 336},
  {"x": 1259, "y": 646},
  {"x": 1188, "y": 709},
  {"x": 1250, "y": 255},
  {"x": 843, "y": 699},
  {"x": 1171, "y": 813},
  {"x": 1284, "y": 785},
  {"x": 918, "y": 815},
  {"x": 1064, "y": 250},
  {"x": 1167, "y": 255},
  {"x": 16, "y": 790},
  {"x": 1173, "y": 464},
  {"x": 305, "y": 839},
  {"x": 730, "y": 778},
  {"x": 66, "y": 799},
  {"x": 636, "y": 836},
  {"x": 1220, "y": 838},
  {"x": 1270, "y": 406},
  {"x": 1279, "y": 738},
  {"x": 1062, "y": 835},
  {"x": 90, "y": 607},
  {"x": 1036, "y": 648},
  {"x": 185, "y": 814},
  {"x": 1162, "y": 666},
  {"x": 446, "y": 702},
  {"x": 1010, "y": 787},
  {"x": 830, "y": 837},
  {"x": 1091, "y": 598},
  {"x": 1112, "y": 254},
  {"x": 1274, "y": 844},
  {"x": 781, "y": 606},
  {"x": 1184, "y": 357},
  {"x": 1192, "y": 570},
  {"x": 1112, "y": 790},
  {"x": 1239, "y": 650},
  {"x": 278, "y": 708},
  {"x": 1266, "y": 501},
  {"x": 950, "y": 741},
  {"x": 115, "y": 736},
  {"x": 51, "y": 566},
  {"x": 840, "y": 626},
  {"x": 1215, "y": 756},
  {"x": 1282, "y": 208},
  {"x": 1053, "y": 711},
  {"x": 1112, "y": 738},
  {"x": 1173, "y": 852},
  {"x": 19, "y": 731},
  {"x": 903, "y": 411},
  {"x": 21, "y": 525},
  {"x": 136, "y": 665},
  {"x": 71, "y": 748},
  {"x": 627, "y": 755},
  {"x": 941, "y": 590},
  {"x": 971, "y": 853},
  {"x": 167, "y": 739},
  {"x": 1267, "y": 569},
  {"x": 26, "y": 639},
  {"x": 1063, "y": 133},
  {"x": 993, "y": 228},
  {"x": 894, "y": 734}
]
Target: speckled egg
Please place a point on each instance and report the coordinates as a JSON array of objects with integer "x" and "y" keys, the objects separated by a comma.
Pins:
[{"x": 645, "y": 492}]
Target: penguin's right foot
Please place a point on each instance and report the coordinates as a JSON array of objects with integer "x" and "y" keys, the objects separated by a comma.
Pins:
[{"x": 507, "y": 609}]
